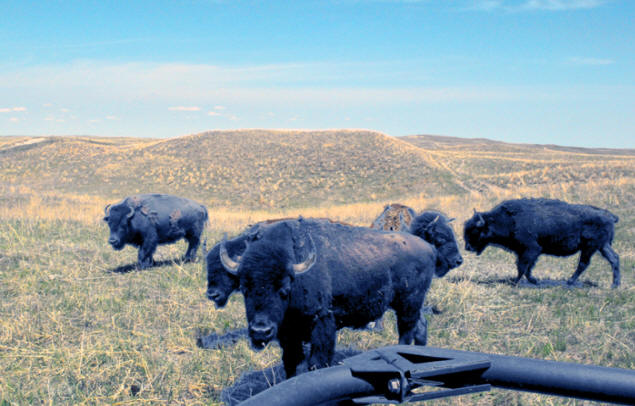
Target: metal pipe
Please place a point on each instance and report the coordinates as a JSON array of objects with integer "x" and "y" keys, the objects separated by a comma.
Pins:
[
  {"x": 318, "y": 387},
  {"x": 343, "y": 382}
]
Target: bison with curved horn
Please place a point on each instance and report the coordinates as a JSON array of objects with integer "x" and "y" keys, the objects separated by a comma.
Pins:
[{"x": 304, "y": 279}]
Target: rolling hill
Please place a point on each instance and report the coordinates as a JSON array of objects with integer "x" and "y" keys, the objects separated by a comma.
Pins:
[
  {"x": 281, "y": 169},
  {"x": 251, "y": 168}
]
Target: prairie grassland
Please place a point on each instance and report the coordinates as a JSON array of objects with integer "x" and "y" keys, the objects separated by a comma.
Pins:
[{"x": 73, "y": 330}]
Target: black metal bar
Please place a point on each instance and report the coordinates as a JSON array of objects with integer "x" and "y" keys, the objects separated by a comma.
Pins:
[
  {"x": 391, "y": 374},
  {"x": 320, "y": 387},
  {"x": 568, "y": 379}
]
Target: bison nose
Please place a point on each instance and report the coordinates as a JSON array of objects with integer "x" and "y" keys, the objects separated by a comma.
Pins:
[
  {"x": 112, "y": 241},
  {"x": 213, "y": 294},
  {"x": 459, "y": 261}
]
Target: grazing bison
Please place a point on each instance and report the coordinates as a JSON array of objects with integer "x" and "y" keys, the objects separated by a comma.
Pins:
[
  {"x": 304, "y": 279},
  {"x": 150, "y": 219},
  {"x": 395, "y": 217},
  {"x": 530, "y": 227}
]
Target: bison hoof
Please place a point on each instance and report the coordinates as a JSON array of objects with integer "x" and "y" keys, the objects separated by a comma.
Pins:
[
  {"x": 532, "y": 280},
  {"x": 145, "y": 264},
  {"x": 570, "y": 282},
  {"x": 615, "y": 285}
]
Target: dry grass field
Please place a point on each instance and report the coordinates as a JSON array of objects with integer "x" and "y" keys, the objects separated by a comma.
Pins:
[{"x": 74, "y": 330}]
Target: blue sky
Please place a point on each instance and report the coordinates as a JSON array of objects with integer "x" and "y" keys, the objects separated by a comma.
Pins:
[{"x": 532, "y": 71}]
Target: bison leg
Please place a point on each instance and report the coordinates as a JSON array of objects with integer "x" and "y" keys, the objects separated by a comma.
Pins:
[
  {"x": 407, "y": 325},
  {"x": 193, "y": 243},
  {"x": 585, "y": 258},
  {"x": 322, "y": 342},
  {"x": 421, "y": 329},
  {"x": 525, "y": 263},
  {"x": 146, "y": 250},
  {"x": 614, "y": 259},
  {"x": 292, "y": 354}
]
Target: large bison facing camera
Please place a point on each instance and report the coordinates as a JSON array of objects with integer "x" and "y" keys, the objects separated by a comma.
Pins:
[
  {"x": 147, "y": 220},
  {"x": 304, "y": 279},
  {"x": 530, "y": 227}
]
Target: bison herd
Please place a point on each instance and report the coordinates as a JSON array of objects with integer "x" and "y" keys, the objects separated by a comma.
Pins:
[{"x": 303, "y": 279}]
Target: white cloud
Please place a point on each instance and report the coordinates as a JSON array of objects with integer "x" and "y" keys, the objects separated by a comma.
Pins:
[
  {"x": 12, "y": 109},
  {"x": 184, "y": 108},
  {"x": 557, "y": 5},
  {"x": 112, "y": 118},
  {"x": 14, "y": 119},
  {"x": 181, "y": 84},
  {"x": 213, "y": 113},
  {"x": 531, "y": 5}
]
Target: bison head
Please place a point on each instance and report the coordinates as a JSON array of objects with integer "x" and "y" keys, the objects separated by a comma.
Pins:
[
  {"x": 266, "y": 273},
  {"x": 434, "y": 227},
  {"x": 118, "y": 218},
  {"x": 220, "y": 283},
  {"x": 476, "y": 233}
]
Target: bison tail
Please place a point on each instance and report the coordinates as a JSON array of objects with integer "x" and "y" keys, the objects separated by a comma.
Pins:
[{"x": 205, "y": 215}]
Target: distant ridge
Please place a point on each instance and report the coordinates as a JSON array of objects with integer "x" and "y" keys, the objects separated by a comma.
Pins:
[{"x": 443, "y": 141}]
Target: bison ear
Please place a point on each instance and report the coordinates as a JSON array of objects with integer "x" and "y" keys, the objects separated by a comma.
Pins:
[
  {"x": 480, "y": 221},
  {"x": 451, "y": 219}
]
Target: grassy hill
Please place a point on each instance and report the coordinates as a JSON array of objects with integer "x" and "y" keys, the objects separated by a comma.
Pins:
[
  {"x": 253, "y": 168},
  {"x": 74, "y": 329},
  {"x": 481, "y": 164}
]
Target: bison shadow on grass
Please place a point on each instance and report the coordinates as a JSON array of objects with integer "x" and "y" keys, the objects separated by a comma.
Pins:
[
  {"x": 135, "y": 266},
  {"x": 511, "y": 281}
]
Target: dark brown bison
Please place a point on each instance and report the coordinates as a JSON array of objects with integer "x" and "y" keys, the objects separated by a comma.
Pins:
[
  {"x": 531, "y": 227},
  {"x": 304, "y": 279},
  {"x": 145, "y": 221}
]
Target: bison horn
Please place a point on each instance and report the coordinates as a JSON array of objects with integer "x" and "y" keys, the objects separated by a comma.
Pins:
[
  {"x": 308, "y": 263},
  {"x": 435, "y": 220},
  {"x": 107, "y": 210},
  {"x": 480, "y": 220},
  {"x": 131, "y": 213},
  {"x": 229, "y": 264}
]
